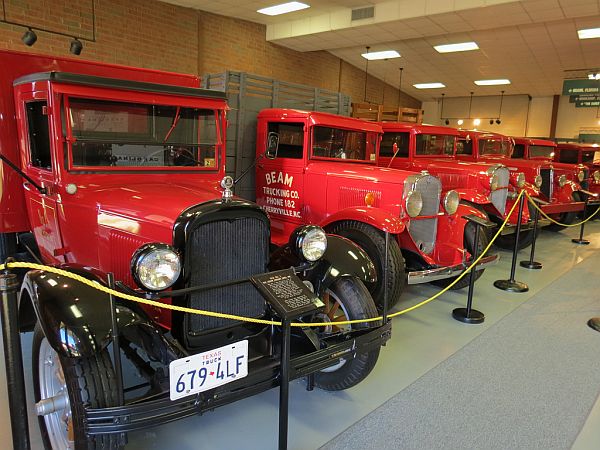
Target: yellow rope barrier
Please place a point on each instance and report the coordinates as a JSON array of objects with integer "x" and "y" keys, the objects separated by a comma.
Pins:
[
  {"x": 558, "y": 223},
  {"x": 145, "y": 301}
]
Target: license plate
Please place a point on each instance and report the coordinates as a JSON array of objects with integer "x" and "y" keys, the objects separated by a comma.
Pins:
[{"x": 208, "y": 370}]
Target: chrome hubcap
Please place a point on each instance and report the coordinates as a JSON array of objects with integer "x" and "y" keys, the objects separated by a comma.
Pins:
[{"x": 54, "y": 404}]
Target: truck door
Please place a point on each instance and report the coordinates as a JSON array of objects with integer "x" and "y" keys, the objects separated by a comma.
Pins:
[
  {"x": 280, "y": 181},
  {"x": 33, "y": 120}
]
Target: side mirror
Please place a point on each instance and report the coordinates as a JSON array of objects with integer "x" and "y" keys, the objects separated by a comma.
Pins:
[{"x": 272, "y": 145}]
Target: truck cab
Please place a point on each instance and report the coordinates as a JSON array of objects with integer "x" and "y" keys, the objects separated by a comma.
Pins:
[
  {"x": 326, "y": 173},
  {"x": 558, "y": 186},
  {"x": 586, "y": 155},
  {"x": 487, "y": 186},
  {"x": 118, "y": 173}
]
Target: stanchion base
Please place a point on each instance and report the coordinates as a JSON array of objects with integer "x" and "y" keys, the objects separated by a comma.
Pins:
[
  {"x": 580, "y": 241},
  {"x": 511, "y": 286},
  {"x": 594, "y": 323},
  {"x": 531, "y": 264},
  {"x": 474, "y": 316}
]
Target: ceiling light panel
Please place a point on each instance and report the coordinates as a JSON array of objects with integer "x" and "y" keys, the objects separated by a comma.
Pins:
[
  {"x": 429, "y": 85},
  {"x": 492, "y": 82},
  {"x": 385, "y": 54},
  {"x": 589, "y": 33},
  {"x": 283, "y": 8},
  {"x": 460, "y": 47}
]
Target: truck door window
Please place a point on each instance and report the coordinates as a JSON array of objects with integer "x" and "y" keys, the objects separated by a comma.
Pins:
[
  {"x": 569, "y": 156},
  {"x": 545, "y": 151},
  {"x": 337, "y": 143},
  {"x": 119, "y": 134},
  {"x": 388, "y": 141},
  {"x": 435, "y": 144},
  {"x": 587, "y": 157},
  {"x": 291, "y": 139},
  {"x": 519, "y": 151},
  {"x": 39, "y": 138},
  {"x": 464, "y": 147}
]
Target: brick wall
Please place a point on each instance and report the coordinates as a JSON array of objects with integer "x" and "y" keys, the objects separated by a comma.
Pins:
[{"x": 148, "y": 33}]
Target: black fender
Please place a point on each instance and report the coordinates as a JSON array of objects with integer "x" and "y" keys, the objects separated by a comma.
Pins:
[
  {"x": 76, "y": 318},
  {"x": 343, "y": 258}
]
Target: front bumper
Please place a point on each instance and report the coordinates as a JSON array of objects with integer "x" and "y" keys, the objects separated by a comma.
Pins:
[
  {"x": 263, "y": 375},
  {"x": 441, "y": 273},
  {"x": 559, "y": 208}
]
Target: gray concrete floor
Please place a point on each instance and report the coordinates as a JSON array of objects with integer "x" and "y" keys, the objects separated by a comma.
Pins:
[{"x": 421, "y": 340}]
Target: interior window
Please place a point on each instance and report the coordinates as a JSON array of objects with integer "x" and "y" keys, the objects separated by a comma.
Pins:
[
  {"x": 39, "y": 138},
  {"x": 519, "y": 151},
  {"x": 356, "y": 145},
  {"x": 464, "y": 147},
  {"x": 388, "y": 141},
  {"x": 291, "y": 139},
  {"x": 569, "y": 156}
]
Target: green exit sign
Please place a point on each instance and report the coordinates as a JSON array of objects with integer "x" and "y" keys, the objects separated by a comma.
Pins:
[{"x": 581, "y": 87}]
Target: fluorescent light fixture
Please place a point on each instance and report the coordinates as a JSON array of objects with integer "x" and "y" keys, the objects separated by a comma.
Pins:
[
  {"x": 492, "y": 82},
  {"x": 589, "y": 33},
  {"x": 460, "y": 47},
  {"x": 283, "y": 8},
  {"x": 385, "y": 54},
  {"x": 429, "y": 85}
]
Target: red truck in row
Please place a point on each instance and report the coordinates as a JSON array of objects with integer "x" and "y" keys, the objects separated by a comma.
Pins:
[
  {"x": 109, "y": 169},
  {"x": 327, "y": 172}
]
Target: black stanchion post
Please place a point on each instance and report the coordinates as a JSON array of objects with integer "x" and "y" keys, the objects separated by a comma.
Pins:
[
  {"x": 594, "y": 323},
  {"x": 468, "y": 314},
  {"x": 581, "y": 240},
  {"x": 511, "y": 285},
  {"x": 532, "y": 264},
  {"x": 385, "y": 278},
  {"x": 110, "y": 278},
  {"x": 284, "y": 386},
  {"x": 15, "y": 380}
]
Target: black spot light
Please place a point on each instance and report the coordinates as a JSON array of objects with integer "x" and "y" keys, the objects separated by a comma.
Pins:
[
  {"x": 76, "y": 46},
  {"x": 447, "y": 122},
  {"x": 29, "y": 37}
]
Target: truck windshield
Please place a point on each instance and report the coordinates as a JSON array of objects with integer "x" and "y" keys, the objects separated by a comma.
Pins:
[
  {"x": 124, "y": 135},
  {"x": 494, "y": 147},
  {"x": 435, "y": 144},
  {"x": 344, "y": 144},
  {"x": 541, "y": 151},
  {"x": 587, "y": 157}
]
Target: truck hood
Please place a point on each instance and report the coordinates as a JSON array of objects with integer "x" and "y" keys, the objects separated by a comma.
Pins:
[{"x": 157, "y": 203}]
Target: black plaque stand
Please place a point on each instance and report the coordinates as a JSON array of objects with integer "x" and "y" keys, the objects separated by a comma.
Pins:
[
  {"x": 594, "y": 323},
  {"x": 511, "y": 285},
  {"x": 469, "y": 315},
  {"x": 581, "y": 240},
  {"x": 532, "y": 264},
  {"x": 289, "y": 303},
  {"x": 15, "y": 380}
]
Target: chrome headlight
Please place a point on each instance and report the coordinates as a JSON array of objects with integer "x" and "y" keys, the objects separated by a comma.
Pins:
[
  {"x": 451, "y": 201},
  {"x": 562, "y": 180},
  {"x": 155, "y": 266},
  {"x": 538, "y": 181},
  {"x": 414, "y": 203},
  {"x": 580, "y": 176},
  {"x": 309, "y": 242},
  {"x": 520, "y": 180},
  {"x": 596, "y": 176}
]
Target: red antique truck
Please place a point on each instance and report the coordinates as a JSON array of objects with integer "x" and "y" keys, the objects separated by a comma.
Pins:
[
  {"x": 557, "y": 186},
  {"x": 111, "y": 169},
  {"x": 485, "y": 185},
  {"x": 326, "y": 173},
  {"x": 587, "y": 155}
]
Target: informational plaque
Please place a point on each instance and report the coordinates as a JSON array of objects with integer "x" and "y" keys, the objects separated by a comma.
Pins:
[{"x": 287, "y": 294}]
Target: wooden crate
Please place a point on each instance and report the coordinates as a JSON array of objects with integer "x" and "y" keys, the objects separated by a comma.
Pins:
[
  {"x": 381, "y": 113},
  {"x": 367, "y": 111}
]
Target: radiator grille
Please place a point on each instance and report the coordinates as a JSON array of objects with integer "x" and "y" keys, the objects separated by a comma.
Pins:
[
  {"x": 424, "y": 231},
  {"x": 586, "y": 182},
  {"x": 499, "y": 196},
  {"x": 222, "y": 251},
  {"x": 547, "y": 182}
]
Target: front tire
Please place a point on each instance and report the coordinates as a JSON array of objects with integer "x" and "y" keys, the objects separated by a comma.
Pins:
[
  {"x": 372, "y": 241},
  {"x": 73, "y": 383},
  {"x": 347, "y": 299},
  {"x": 469, "y": 242}
]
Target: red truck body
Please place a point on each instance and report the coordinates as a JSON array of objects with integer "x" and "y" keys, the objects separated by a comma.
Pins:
[
  {"x": 587, "y": 155},
  {"x": 320, "y": 177},
  {"x": 557, "y": 184},
  {"x": 432, "y": 148}
]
